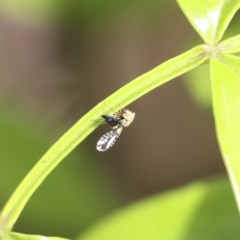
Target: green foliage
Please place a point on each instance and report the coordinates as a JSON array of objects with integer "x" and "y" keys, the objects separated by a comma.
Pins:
[
  {"x": 19, "y": 236},
  {"x": 171, "y": 216},
  {"x": 203, "y": 210},
  {"x": 225, "y": 74},
  {"x": 199, "y": 86},
  {"x": 210, "y": 18}
]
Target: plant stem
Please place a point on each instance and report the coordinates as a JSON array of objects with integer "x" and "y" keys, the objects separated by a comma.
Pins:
[{"x": 76, "y": 134}]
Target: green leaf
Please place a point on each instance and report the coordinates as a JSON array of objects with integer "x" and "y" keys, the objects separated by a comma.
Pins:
[
  {"x": 225, "y": 74},
  {"x": 20, "y": 236},
  {"x": 199, "y": 86},
  {"x": 230, "y": 45},
  {"x": 204, "y": 210},
  {"x": 210, "y": 18}
]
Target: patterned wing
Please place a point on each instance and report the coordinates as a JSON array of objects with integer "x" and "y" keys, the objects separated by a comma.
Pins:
[{"x": 108, "y": 139}]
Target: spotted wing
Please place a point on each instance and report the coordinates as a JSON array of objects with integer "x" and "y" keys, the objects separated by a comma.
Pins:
[{"x": 108, "y": 139}]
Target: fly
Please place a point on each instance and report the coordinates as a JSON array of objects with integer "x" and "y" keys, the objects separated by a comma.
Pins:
[{"x": 117, "y": 122}]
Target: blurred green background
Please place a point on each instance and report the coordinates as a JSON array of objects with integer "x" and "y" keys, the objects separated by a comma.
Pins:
[{"x": 59, "y": 58}]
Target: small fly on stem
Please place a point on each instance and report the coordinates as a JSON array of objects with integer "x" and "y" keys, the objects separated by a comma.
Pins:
[{"x": 117, "y": 122}]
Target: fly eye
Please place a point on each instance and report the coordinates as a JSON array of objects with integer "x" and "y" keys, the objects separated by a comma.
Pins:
[{"x": 111, "y": 120}]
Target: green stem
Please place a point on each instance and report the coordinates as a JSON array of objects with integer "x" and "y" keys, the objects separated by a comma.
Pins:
[{"x": 75, "y": 135}]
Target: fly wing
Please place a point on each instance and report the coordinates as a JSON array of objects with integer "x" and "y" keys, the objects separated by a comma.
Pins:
[{"x": 108, "y": 139}]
